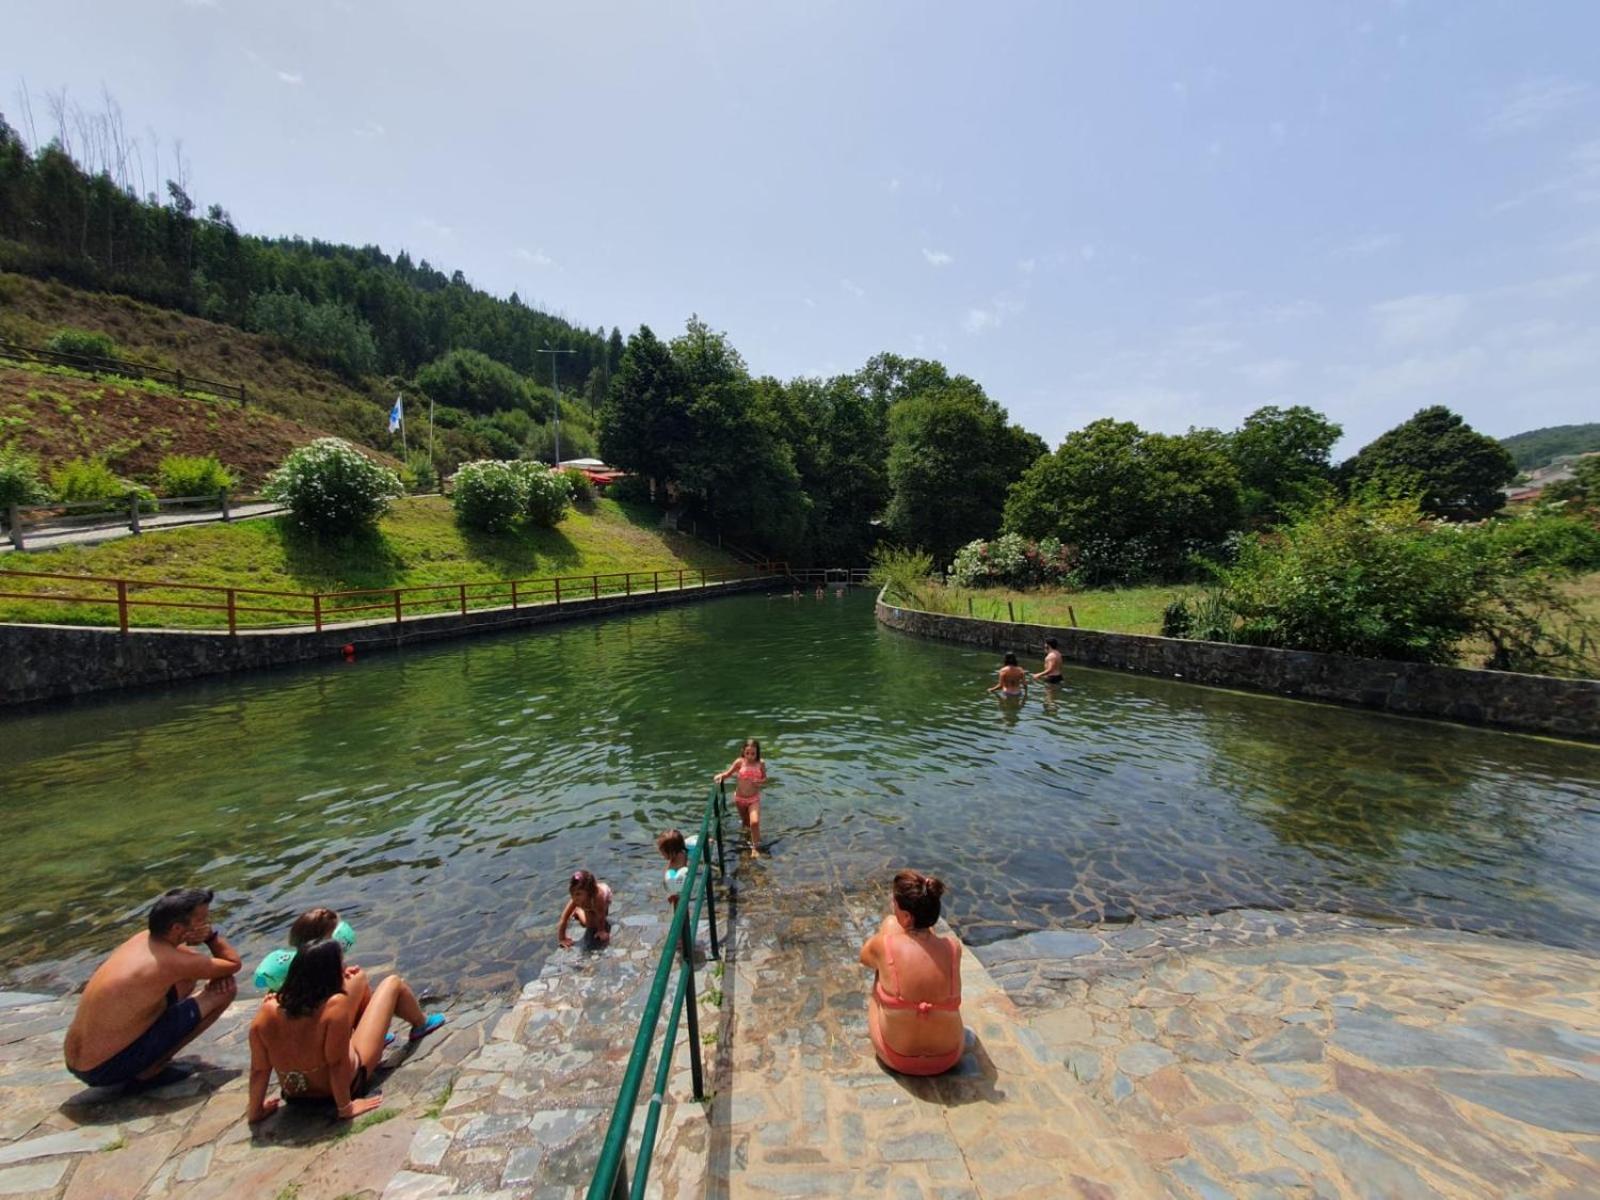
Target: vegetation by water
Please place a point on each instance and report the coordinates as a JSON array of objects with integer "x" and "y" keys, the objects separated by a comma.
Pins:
[{"x": 419, "y": 542}]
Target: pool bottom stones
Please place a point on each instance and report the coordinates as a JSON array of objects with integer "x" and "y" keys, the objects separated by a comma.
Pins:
[{"x": 1245, "y": 1054}]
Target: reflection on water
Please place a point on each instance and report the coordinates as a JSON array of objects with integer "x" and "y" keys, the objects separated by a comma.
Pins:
[{"x": 440, "y": 797}]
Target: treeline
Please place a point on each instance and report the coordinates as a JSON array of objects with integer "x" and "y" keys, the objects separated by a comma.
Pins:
[
  {"x": 817, "y": 470},
  {"x": 1539, "y": 447},
  {"x": 355, "y": 309}
]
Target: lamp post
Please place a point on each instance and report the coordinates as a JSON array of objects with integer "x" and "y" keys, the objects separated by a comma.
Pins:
[{"x": 556, "y": 387}]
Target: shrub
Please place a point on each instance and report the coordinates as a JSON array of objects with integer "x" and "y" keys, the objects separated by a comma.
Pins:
[
  {"x": 579, "y": 485},
  {"x": 193, "y": 475},
  {"x": 630, "y": 489},
  {"x": 546, "y": 494},
  {"x": 87, "y": 479},
  {"x": 488, "y": 495},
  {"x": 471, "y": 380},
  {"x": 1547, "y": 540},
  {"x": 85, "y": 342},
  {"x": 332, "y": 488},
  {"x": 424, "y": 475},
  {"x": 1012, "y": 561},
  {"x": 19, "y": 479},
  {"x": 901, "y": 573}
]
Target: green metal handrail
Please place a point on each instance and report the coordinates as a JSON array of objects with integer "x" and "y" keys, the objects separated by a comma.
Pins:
[{"x": 610, "y": 1180}]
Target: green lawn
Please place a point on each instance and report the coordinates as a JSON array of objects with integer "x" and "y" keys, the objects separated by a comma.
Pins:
[
  {"x": 1111, "y": 610},
  {"x": 419, "y": 543}
]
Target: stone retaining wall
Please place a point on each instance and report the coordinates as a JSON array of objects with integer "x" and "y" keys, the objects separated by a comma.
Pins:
[
  {"x": 1525, "y": 703},
  {"x": 51, "y": 662}
]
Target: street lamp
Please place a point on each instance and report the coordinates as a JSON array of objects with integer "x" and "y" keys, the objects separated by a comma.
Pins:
[{"x": 556, "y": 387}]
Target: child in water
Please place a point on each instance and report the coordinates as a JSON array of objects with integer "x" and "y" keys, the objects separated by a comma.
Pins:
[
  {"x": 1012, "y": 678},
  {"x": 674, "y": 848},
  {"x": 590, "y": 903},
  {"x": 752, "y": 773}
]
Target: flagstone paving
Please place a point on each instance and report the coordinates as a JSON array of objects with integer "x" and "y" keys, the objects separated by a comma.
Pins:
[{"x": 1244, "y": 1055}]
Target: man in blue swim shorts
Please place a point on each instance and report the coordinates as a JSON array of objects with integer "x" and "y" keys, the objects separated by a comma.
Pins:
[{"x": 141, "y": 1005}]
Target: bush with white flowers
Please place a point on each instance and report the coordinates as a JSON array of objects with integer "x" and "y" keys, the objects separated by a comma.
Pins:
[
  {"x": 488, "y": 495},
  {"x": 330, "y": 487},
  {"x": 547, "y": 494}
]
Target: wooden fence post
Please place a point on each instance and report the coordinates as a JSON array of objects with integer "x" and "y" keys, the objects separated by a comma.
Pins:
[
  {"x": 233, "y": 612},
  {"x": 702, "y": 577},
  {"x": 627, "y": 583},
  {"x": 558, "y": 591},
  {"x": 463, "y": 599},
  {"x": 595, "y": 579},
  {"x": 133, "y": 513},
  {"x": 513, "y": 595},
  {"x": 1011, "y": 612},
  {"x": 1073, "y": 616},
  {"x": 122, "y": 605},
  {"x": 680, "y": 579},
  {"x": 227, "y": 514},
  {"x": 14, "y": 518},
  {"x": 398, "y": 614},
  {"x": 658, "y": 581},
  {"x": 316, "y": 610}
]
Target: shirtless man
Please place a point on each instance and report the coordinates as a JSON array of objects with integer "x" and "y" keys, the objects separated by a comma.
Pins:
[
  {"x": 141, "y": 1006},
  {"x": 1052, "y": 662}
]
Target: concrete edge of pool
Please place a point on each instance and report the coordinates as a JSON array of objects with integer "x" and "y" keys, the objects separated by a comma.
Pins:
[{"x": 1537, "y": 704}]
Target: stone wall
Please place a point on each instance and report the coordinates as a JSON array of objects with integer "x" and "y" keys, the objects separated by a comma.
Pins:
[
  {"x": 52, "y": 662},
  {"x": 1525, "y": 703}
]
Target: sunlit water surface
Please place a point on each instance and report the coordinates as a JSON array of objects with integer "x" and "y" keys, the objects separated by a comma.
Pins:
[{"x": 440, "y": 797}]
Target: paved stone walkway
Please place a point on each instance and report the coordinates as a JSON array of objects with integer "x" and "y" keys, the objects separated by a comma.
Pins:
[
  {"x": 52, "y": 537},
  {"x": 1246, "y": 1055}
]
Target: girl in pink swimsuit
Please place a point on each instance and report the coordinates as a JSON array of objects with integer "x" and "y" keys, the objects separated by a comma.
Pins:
[
  {"x": 752, "y": 773},
  {"x": 914, "y": 1010}
]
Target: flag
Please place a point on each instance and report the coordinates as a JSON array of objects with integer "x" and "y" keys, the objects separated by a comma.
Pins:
[{"x": 396, "y": 415}]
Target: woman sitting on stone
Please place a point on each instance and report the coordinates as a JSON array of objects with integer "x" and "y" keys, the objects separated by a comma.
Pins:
[
  {"x": 914, "y": 1011},
  {"x": 307, "y": 1031}
]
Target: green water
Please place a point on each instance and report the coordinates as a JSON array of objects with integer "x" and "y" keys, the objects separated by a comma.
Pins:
[{"x": 440, "y": 797}]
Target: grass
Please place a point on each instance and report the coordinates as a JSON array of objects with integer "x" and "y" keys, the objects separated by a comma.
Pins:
[
  {"x": 418, "y": 544},
  {"x": 377, "y": 1117},
  {"x": 433, "y": 1110},
  {"x": 1111, "y": 610}
]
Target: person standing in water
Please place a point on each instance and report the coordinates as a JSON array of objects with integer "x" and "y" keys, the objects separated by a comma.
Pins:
[
  {"x": 1052, "y": 662},
  {"x": 1012, "y": 680},
  {"x": 752, "y": 773}
]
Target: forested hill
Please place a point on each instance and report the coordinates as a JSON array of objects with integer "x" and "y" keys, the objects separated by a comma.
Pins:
[
  {"x": 1538, "y": 447},
  {"x": 358, "y": 310}
]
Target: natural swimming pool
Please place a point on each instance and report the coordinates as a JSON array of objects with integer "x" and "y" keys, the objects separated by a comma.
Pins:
[{"x": 439, "y": 797}]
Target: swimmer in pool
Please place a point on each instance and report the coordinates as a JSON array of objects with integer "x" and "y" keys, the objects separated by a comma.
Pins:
[
  {"x": 1012, "y": 680},
  {"x": 752, "y": 773},
  {"x": 1052, "y": 662}
]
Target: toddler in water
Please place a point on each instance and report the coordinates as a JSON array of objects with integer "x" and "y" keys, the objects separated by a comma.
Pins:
[
  {"x": 590, "y": 903},
  {"x": 752, "y": 773},
  {"x": 675, "y": 849}
]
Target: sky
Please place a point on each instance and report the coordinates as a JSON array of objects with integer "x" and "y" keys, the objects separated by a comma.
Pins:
[{"x": 1169, "y": 213}]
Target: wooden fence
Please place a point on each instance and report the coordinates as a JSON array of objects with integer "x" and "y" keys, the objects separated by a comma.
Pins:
[
  {"x": 262, "y": 608},
  {"x": 25, "y": 520},
  {"x": 126, "y": 368}
]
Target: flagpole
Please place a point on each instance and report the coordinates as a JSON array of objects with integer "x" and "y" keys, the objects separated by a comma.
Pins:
[
  {"x": 430, "y": 429},
  {"x": 405, "y": 451}
]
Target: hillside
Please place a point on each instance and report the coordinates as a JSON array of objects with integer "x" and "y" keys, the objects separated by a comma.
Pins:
[
  {"x": 1537, "y": 447},
  {"x": 418, "y": 543}
]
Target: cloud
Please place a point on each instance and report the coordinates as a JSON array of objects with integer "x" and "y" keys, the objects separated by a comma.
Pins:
[
  {"x": 429, "y": 225},
  {"x": 808, "y": 301},
  {"x": 369, "y": 129},
  {"x": 1579, "y": 183},
  {"x": 1425, "y": 317},
  {"x": 893, "y": 185},
  {"x": 290, "y": 78},
  {"x": 1087, "y": 252},
  {"x": 1269, "y": 371},
  {"x": 992, "y": 316},
  {"x": 1533, "y": 103},
  {"x": 1027, "y": 265},
  {"x": 1364, "y": 247},
  {"x": 937, "y": 258},
  {"x": 537, "y": 257},
  {"x": 855, "y": 289}
]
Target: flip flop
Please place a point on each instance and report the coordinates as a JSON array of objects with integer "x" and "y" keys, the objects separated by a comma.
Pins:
[{"x": 433, "y": 1022}]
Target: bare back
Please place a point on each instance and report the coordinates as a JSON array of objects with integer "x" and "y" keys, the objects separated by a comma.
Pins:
[
  {"x": 304, "y": 1050},
  {"x": 124, "y": 997},
  {"x": 926, "y": 967}
]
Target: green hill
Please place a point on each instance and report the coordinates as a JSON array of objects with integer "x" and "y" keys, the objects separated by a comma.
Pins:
[
  {"x": 419, "y": 543},
  {"x": 1539, "y": 447}
]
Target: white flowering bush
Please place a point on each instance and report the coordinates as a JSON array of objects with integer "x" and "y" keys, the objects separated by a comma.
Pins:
[
  {"x": 1011, "y": 560},
  {"x": 332, "y": 488},
  {"x": 547, "y": 494},
  {"x": 488, "y": 494}
]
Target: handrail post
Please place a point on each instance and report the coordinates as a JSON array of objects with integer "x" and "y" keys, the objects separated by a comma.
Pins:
[
  {"x": 233, "y": 612},
  {"x": 316, "y": 610},
  {"x": 658, "y": 581},
  {"x": 680, "y": 579},
  {"x": 463, "y": 599},
  {"x": 691, "y": 1007},
  {"x": 722, "y": 802},
  {"x": 558, "y": 591},
  {"x": 122, "y": 605},
  {"x": 711, "y": 907},
  {"x": 619, "y": 1182},
  {"x": 513, "y": 595},
  {"x": 397, "y": 609},
  {"x": 133, "y": 513},
  {"x": 595, "y": 579},
  {"x": 702, "y": 577},
  {"x": 627, "y": 583}
]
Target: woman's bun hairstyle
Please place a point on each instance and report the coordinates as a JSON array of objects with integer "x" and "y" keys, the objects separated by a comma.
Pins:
[{"x": 919, "y": 895}]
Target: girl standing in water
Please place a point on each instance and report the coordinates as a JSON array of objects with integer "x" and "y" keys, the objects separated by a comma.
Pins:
[{"x": 752, "y": 773}]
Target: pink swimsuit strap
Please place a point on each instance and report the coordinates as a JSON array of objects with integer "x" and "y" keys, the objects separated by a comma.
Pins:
[{"x": 951, "y": 1003}]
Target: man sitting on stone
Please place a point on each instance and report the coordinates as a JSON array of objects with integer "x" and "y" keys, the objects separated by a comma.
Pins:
[{"x": 141, "y": 1007}]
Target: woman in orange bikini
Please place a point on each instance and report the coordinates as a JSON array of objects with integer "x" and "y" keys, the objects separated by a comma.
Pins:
[
  {"x": 914, "y": 1011},
  {"x": 752, "y": 773}
]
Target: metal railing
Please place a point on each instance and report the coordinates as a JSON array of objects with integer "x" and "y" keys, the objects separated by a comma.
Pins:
[
  {"x": 129, "y": 512},
  {"x": 610, "y": 1181},
  {"x": 831, "y": 576},
  {"x": 95, "y": 364},
  {"x": 268, "y": 608}
]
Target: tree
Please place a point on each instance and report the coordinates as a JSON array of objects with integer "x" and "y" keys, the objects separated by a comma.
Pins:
[
  {"x": 471, "y": 380},
  {"x": 1455, "y": 471},
  {"x": 951, "y": 457},
  {"x": 1137, "y": 505},
  {"x": 1282, "y": 458},
  {"x": 644, "y": 422}
]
